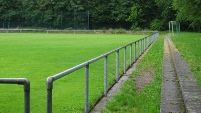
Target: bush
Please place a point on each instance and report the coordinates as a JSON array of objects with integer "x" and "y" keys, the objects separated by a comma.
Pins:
[{"x": 157, "y": 25}]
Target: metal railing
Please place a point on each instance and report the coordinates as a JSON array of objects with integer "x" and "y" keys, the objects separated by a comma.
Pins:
[
  {"x": 138, "y": 47},
  {"x": 20, "y": 81}
]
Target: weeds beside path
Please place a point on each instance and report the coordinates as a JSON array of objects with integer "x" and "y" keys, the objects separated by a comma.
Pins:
[{"x": 189, "y": 45}]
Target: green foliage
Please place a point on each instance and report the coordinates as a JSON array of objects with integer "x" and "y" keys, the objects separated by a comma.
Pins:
[
  {"x": 189, "y": 11},
  {"x": 136, "y": 16},
  {"x": 156, "y": 25},
  {"x": 154, "y": 15},
  {"x": 103, "y": 13},
  {"x": 126, "y": 14},
  {"x": 9, "y": 9}
]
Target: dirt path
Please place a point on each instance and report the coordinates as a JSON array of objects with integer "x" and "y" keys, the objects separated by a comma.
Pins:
[{"x": 180, "y": 91}]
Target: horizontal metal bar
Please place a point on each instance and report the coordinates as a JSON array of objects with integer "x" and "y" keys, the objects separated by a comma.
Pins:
[
  {"x": 62, "y": 74},
  {"x": 21, "y": 81}
]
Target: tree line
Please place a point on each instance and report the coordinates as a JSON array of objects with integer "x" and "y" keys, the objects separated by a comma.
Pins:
[{"x": 104, "y": 14}]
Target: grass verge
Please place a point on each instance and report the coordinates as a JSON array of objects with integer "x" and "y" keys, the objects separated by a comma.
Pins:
[
  {"x": 145, "y": 100},
  {"x": 189, "y": 45}
]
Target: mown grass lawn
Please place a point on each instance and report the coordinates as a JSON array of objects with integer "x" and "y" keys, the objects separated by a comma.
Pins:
[
  {"x": 189, "y": 45},
  {"x": 37, "y": 56},
  {"x": 146, "y": 100}
]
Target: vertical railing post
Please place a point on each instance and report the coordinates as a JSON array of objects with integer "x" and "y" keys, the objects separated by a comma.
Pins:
[
  {"x": 117, "y": 65},
  {"x": 49, "y": 94},
  {"x": 143, "y": 44},
  {"x": 105, "y": 74},
  {"x": 135, "y": 52},
  {"x": 146, "y": 43},
  {"x": 86, "y": 87},
  {"x": 124, "y": 60},
  {"x": 131, "y": 54},
  {"x": 137, "y": 49},
  {"x": 141, "y": 47},
  {"x": 27, "y": 97}
]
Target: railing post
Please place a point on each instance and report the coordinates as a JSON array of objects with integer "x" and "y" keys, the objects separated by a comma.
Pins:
[
  {"x": 105, "y": 75},
  {"x": 124, "y": 60},
  {"x": 49, "y": 94},
  {"x": 27, "y": 96},
  {"x": 117, "y": 65},
  {"x": 86, "y": 88},
  {"x": 135, "y": 52},
  {"x": 131, "y": 54},
  {"x": 146, "y": 43},
  {"x": 141, "y": 47}
]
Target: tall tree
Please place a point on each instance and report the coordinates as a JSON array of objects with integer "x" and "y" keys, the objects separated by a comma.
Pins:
[
  {"x": 10, "y": 10},
  {"x": 165, "y": 13},
  {"x": 188, "y": 11},
  {"x": 120, "y": 11},
  {"x": 142, "y": 14}
]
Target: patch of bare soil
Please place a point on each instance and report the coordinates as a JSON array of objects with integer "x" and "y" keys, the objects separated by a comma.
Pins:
[{"x": 143, "y": 79}]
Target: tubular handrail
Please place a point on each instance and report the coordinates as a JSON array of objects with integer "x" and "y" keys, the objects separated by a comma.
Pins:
[
  {"x": 20, "y": 81},
  {"x": 59, "y": 75},
  {"x": 86, "y": 64}
]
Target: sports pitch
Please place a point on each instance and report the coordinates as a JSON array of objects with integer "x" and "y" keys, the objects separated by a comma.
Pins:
[{"x": 37, "y": 56}]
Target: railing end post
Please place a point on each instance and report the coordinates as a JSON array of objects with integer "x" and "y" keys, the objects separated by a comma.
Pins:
[
  {"x": 49, "y": 93},
  {"x": 25, "y": 82},
  {"x": 50, "y": 83}
]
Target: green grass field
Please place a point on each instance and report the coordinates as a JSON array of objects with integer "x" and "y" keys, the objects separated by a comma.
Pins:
[{"x": 37, "y": 56}]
